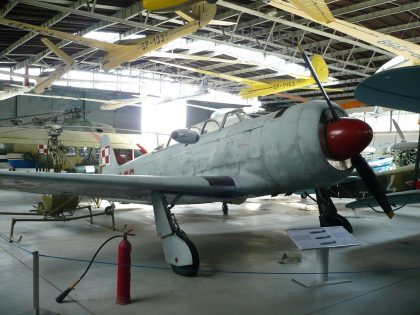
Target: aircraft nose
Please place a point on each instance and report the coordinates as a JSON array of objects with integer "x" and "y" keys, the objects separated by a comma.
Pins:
[{"x": 347, "y": 137}]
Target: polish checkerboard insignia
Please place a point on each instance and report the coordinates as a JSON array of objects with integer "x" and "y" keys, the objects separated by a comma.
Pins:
[
  {"x": 42, "y": 149},
  {"x": 105, "y": 156}
]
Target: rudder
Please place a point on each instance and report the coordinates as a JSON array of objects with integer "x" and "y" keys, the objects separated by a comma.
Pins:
[
  {"x": 204, "y": 13},
  {"x": 107, "y": 161}
]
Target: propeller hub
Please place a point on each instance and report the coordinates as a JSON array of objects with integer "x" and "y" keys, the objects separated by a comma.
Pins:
[{"x": 347, "y": 137}]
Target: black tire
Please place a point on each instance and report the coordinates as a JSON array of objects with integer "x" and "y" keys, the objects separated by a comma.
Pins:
[
  {"x": 190, "y": 270},
  {"x": 339, "y": 220},
  {"x": 225, "y": 209}
]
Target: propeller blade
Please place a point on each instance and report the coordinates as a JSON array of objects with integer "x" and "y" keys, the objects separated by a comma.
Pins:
[
  {"x": 399, "y": 131},
  {"x": 315, "y": 76},
  {"x": 371, "y": 182},
  {"x": 340, "y": 150}
]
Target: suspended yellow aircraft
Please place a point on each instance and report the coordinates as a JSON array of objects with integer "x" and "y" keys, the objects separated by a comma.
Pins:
[
  {"x": 171, "y": 5},
  {"x": 317, "y": 11},
  {"x": 129, "y": 50},
  {"x": 266, "y": 87}
]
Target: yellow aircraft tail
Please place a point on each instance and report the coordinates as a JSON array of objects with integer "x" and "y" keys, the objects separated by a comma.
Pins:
[
  {"x": 320, "y": 67},
  {"x": 204, "y": 13}
]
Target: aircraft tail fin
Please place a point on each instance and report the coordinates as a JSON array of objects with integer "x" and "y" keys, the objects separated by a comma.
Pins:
[
  {"x": 58, "y": 51},
  {"x": 204, "y": 13},
  {"x": 320, "y": 67},
  {"x": 107, "y": 160}
]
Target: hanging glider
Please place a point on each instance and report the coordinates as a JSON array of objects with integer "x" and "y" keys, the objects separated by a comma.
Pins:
[
  {"x": 130, "y": 50},
  {"x": 317, "y": 11},
  {"x": 266, "y": 87}
]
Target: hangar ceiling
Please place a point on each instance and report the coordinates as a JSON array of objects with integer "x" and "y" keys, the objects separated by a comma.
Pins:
[{"x": 258, "y": 27}]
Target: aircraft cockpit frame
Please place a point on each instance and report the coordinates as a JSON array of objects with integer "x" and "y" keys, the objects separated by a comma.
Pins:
[{"x": 220, "y": 121}]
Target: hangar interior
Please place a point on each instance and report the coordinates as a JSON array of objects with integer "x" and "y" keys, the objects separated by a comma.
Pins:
[{"x": 247, "y": 259}]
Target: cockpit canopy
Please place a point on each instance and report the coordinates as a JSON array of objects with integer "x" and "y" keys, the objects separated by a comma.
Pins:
[{"x": 218, "y": 122}]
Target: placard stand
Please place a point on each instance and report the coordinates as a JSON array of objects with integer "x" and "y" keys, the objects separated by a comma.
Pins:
[{"x": 321, "y": 239}]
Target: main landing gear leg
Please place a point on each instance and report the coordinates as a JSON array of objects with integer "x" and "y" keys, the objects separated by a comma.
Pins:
[
  {"x": 328, "y": 215},
  {"x": 178, "y": 249},
  {"x": 225, "y": 208}
]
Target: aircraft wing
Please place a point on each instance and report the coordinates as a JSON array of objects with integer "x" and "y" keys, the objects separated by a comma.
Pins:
[
  {"x": 398, "y": 198},
  {"x": 394, "y": 88},
  {"x": 60, "y": 35},
  {"x": 314, "y": 87},
  {"x": 215, "y": 74},
  {"x": 79, "y": 139},
  {"x": 170, "y": 55},
  {"x": 389, "y": 43},
  {"x": 133, "y": 187}
]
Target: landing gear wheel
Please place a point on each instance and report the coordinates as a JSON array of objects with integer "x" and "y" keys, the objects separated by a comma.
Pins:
[
  {"x": 190, "y": 270},
  {"x": 337, "y": 220},
  {"x": 225, "y": 208}
]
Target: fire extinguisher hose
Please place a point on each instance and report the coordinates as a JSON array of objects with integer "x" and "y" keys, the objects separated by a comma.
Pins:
[{"x": 61, "y": 297}]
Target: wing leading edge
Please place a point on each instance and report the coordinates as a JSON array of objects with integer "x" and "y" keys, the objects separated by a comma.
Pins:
[{"x": 134, "y": 187}]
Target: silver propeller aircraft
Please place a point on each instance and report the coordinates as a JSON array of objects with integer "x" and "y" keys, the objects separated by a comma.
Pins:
[{"x": 230, "y": 159}]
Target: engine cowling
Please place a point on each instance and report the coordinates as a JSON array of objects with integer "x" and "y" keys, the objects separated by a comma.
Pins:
[
  {"x": 292, "y": 150},
  {"x": 185, "y": 136}
]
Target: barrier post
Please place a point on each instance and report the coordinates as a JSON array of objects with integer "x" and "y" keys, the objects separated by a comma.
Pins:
[{"x": 36, "y": 281}]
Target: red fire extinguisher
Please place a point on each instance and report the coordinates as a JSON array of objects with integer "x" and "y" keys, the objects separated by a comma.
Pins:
[
  {"x": 123, "y": 280},
  {"x": 124, "y": 272}
]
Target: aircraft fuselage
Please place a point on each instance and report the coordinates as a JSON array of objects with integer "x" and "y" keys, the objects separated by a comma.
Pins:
[
  {"x": 266, "y": 155},
  {"x": 275, "y": 87}
]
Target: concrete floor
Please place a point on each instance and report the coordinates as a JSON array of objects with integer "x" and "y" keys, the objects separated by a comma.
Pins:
[{"x": 251, "y": 239}]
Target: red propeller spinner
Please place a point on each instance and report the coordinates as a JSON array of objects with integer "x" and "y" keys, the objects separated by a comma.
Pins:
[{"x": 347, "y": 137}]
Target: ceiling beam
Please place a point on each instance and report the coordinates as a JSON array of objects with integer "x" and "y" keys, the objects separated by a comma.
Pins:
[
  {"x": 57, "y": 18},
  {"x": 121, "y": 15},
  {"x": 302, "y": 27}
]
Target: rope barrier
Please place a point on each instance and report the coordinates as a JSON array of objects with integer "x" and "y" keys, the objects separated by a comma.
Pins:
[{"x": 5, "y": 239}]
